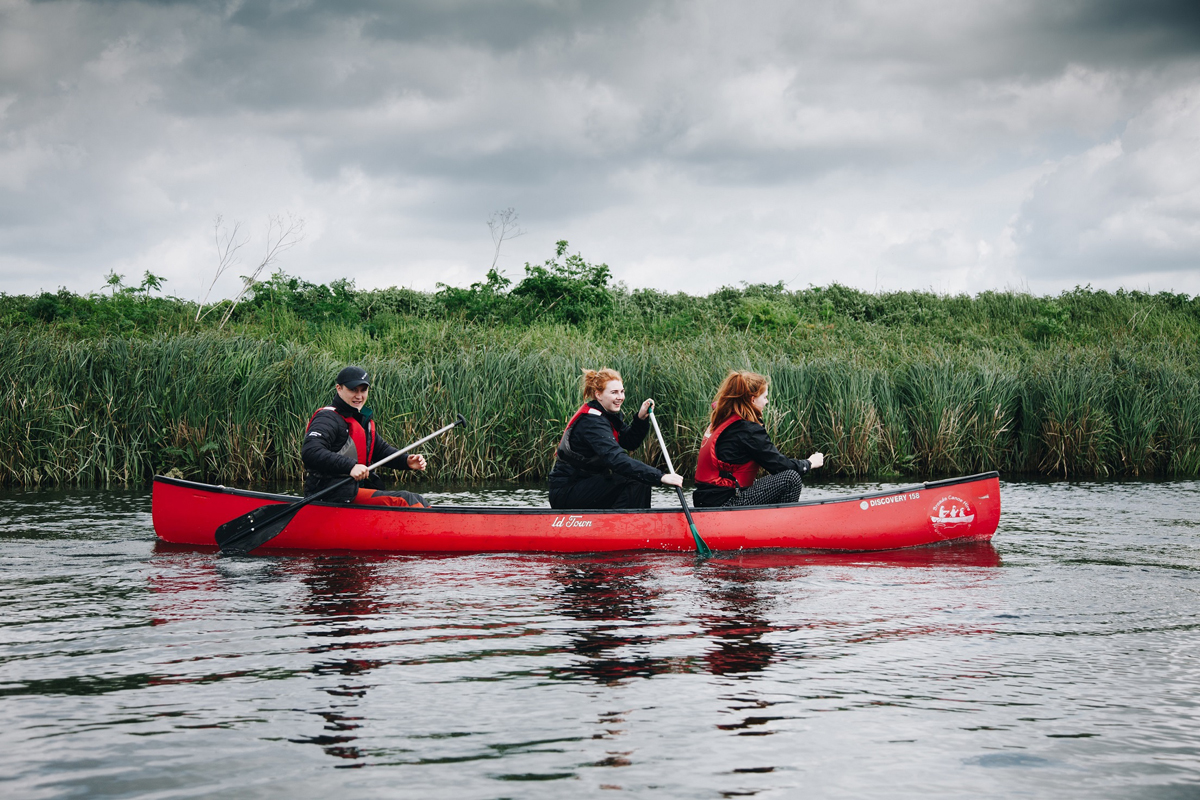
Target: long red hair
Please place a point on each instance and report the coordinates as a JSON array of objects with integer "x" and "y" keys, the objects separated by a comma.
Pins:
[
  {"x": 593, "y": 381},
  {"x": 736, "y": 396}
]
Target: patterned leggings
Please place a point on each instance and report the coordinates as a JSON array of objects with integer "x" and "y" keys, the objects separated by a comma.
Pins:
[{"x": 782, "y": 487}]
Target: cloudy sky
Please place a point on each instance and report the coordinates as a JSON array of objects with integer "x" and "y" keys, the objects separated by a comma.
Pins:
[{"x": 883, "y": 144}]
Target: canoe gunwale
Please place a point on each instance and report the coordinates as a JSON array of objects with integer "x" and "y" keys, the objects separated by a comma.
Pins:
[{"x": 543, "y": 510}]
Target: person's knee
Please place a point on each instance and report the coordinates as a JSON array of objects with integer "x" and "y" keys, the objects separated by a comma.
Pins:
[
  {"x": 414, "y": 500},
  {"x": 793, "y": 484},
  {"x": 632, "y": 494}
]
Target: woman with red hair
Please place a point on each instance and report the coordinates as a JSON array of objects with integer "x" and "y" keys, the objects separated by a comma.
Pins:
[
  {"x": 592, "y": 469},
  {"x": 736, "y": 446}
]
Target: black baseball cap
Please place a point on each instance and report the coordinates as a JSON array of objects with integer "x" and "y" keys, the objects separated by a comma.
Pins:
[{"x": 353, "y": 377}]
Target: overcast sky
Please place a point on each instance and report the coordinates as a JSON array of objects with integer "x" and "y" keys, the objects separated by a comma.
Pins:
[{"x": 882, "y": 144}]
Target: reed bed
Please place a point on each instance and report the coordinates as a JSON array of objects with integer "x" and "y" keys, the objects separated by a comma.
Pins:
[{"x": 229, "y": 409}]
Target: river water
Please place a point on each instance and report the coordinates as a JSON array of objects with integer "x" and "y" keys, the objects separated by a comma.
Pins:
[{"x": 1061, "y": 660}]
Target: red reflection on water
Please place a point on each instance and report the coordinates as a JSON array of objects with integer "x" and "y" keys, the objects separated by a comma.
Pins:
[
  {"x": 605, "y": 594},
  {"x": 343, "y": 594},
  {"x": 964, "y": 553},
  {"x": 968, "y": 553},
  {"x": 618, "y": 603},
  {"x": 735, "y": 621},
  {"x": 618, "y": 591}
]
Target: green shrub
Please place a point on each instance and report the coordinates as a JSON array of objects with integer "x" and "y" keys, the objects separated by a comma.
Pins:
[{"x": 570, "y": 291}]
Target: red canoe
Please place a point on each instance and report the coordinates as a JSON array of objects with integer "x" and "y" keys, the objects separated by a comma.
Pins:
[{"x": 928, "y": 513}]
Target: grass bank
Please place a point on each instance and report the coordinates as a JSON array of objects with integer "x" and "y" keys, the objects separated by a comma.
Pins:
[
  {"x": 112, "y": 388},
  {"x": 231, "y": 408}
]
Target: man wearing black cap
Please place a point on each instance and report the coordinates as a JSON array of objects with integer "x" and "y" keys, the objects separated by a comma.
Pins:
[{"x": 341, "y": 440}]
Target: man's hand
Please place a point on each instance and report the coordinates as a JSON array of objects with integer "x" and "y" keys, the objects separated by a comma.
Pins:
[
  {"x": 416, "y": 462},
  {"x": 360, "y": 472},
  {"x": 816, "y": 460},
  {"x": 672, "y": 479}
]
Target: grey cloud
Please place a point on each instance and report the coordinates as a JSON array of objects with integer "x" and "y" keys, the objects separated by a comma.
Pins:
[
  {"x": 1147, "y": 26},
  {"x": 1127, "y": 206},
  {"x": 128, "y": 122},
  {"x": 951, "y": 43}
]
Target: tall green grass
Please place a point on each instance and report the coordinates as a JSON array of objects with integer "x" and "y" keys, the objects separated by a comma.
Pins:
[{"x": 232, "y": 409}]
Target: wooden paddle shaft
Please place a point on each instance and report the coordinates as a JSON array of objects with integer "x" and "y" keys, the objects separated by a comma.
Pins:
[
  {"x": 701, "y": 546},
  {"x": 661, "y": 444}
]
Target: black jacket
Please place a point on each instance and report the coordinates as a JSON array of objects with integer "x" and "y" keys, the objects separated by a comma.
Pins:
[
  {"x": 592, "y": 439},
  {"x": 327, "y": 452},
  {"x": 741, "y": 442}
]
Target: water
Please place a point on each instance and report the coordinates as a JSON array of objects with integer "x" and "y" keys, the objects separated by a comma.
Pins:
[{"x": 1062, "y": 660}]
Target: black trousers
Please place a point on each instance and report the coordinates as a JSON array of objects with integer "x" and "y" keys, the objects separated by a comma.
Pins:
[{"x": 601, "y": 491}]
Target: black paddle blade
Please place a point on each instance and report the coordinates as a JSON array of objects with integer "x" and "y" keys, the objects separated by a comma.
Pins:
[{"x": 240, "y": 536}]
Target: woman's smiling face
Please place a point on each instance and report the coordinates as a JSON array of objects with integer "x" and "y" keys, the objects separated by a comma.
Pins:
[{"x": 612, "y": 396}]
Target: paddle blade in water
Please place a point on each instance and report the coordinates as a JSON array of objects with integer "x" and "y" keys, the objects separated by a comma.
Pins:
[
  {"x": 240, "y": 536},
  {"x": 702, "y": 547}
]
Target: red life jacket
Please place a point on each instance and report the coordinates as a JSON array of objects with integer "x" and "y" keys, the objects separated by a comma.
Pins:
[
  {"x": 364, "y": 440},
  {"x": 564, "y": 450},
  {"x": 711, "y": 470}
]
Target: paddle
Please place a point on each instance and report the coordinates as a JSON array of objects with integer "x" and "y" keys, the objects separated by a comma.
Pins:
[
  {"x": 701, "y": 547},
  {"x": 241, "y": 535}
]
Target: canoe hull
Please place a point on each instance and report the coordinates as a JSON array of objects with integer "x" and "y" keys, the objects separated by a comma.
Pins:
[{"x": 939, "y": 511}]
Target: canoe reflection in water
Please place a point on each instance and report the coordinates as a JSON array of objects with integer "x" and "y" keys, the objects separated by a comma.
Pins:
[
  {"x": 736, "y": 622},
  {"x": 342, "y": 597},
  {"x": 343, "y": 593},
  {"x": 622, "y": 612},
  {"x": 622, "y": 607},
  {"x": 739, "y": 619},
  {"x": 612, "y": 600},
  {"x": 377, "y": 628}
]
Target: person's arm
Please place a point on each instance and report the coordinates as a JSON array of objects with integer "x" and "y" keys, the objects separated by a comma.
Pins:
[
  {"x": 757, "y": 446},
  {"x": 597, "y": 433},
  {"x": 632, "y": 436},
  {"x": 383, "y": 449},
  {"x": 317, "y": 452}
]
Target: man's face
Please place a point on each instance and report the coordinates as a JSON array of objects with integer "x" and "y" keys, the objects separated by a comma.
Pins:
[{"x": 356, "y": 397}]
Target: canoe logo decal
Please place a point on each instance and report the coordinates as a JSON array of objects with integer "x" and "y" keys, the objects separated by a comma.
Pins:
[
  {"x": 951, "y": 510},
  {"x": 572, "y": 521}
]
